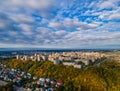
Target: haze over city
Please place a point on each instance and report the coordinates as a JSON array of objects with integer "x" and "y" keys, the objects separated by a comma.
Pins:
[{"x": 60, "y": 23}]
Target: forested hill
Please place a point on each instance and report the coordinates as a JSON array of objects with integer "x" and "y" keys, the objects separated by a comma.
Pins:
[{"x": 105, "y": 77}]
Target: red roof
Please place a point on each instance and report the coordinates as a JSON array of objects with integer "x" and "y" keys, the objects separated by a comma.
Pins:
[{"x": 59, "y": 83}]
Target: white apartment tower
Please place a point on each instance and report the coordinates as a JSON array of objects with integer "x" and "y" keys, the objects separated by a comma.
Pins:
[
  {"x": 17, "y": 57},
  {"x": 26, "y": 58}
]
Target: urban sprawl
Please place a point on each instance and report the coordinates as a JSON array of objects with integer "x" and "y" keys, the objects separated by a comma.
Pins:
[{"x": 76, "y": 59}]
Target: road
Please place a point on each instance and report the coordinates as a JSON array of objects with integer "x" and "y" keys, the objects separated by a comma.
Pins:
[
  {"x": 101, "y": 61},
  {"x": 19, "y": 88},
  {"x": 3, "y": 83}
]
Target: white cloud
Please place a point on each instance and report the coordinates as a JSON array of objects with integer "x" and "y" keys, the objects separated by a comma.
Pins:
[
  {"x": 21, "y": 18},
  {"x": 13, "y": 33},
  {"x": 32, "y": 4},
  {"x": 55, "y": 25},
  {"x": 42, "y": 7},
  {"x": 26, "y": 29},
  {"x": 106, "y": 4},
  {"x": 61, "y": 32},
  {"x": 2, "y": 25},
  {"x": 72, "y": 24},
  {"x": 87, "y": 25},
  {"x": 114, "y": 16}
]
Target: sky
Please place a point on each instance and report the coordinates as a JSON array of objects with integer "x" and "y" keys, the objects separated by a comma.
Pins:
[{"x": 60, "y": 23}]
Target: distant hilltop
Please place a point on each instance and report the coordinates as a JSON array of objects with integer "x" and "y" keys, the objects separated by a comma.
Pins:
[{"x": 55, "y": 49}]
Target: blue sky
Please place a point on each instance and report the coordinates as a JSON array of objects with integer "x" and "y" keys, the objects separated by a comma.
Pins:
[{"x": 60, "y": 23}]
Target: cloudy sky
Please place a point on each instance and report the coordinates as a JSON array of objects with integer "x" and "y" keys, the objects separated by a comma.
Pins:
[{"x": 60, "y": 23}]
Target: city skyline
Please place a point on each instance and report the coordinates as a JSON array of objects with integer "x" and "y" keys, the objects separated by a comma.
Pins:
[{"x": 60, "y": 24}]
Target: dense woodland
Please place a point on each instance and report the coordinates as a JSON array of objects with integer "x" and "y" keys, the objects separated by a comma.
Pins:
[{"x": 105, "y": 77}]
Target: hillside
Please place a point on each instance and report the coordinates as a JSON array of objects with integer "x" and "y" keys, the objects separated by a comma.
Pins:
[{"x": 105, "y": 77}]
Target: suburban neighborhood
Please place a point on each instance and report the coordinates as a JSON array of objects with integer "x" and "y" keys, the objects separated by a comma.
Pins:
[{"x": 20, "y": 78}]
